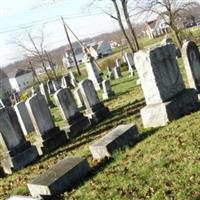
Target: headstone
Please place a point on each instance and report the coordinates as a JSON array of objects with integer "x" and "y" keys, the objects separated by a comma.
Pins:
[
  {"x": 74, "y": 120},
  {"x": 95, "y": 110},
  {"x": 110, "y": 71},
  {"x": 1, "y": 104},
  {"x": 17, "y": 152},
  {"x": 78, "y": 98},
  {"x": 163, "y": 87},
  {"x": 49, "y": 136},
  {"x": 44, "y": 91},
  {"x": 93, "y": 72},
  {"x": 130, "y": 62},
  {"x": 50, "y": 87},
  {"x": 119, "y": 137},
  {"x": 118, "y": 62},
  {"x": 191, "y": 60},
  {"x": 66, "y": 82},
  {"x": 117, "y": 72},
  {"x": 73, "y": 80},
  {"x": 107, "y": 90},
  {"x": 24, "y": 118},
  {"x": 60, "y": 178},
  {"x": 56, "y": 85}
]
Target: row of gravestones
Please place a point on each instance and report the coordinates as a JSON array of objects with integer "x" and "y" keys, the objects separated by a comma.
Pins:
[
  {"x": 165, "y": 93},
  {"x": 115, "y": 73},
  {"x": 17, "y": 152}
]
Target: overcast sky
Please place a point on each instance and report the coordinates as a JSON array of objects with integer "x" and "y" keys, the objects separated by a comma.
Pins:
[{"x": 18, "y": 15}]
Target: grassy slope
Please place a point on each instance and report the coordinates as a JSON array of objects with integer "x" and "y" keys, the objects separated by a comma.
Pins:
[{"x": 164, "y": 165}]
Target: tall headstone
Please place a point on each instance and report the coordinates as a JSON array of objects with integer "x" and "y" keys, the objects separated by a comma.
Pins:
[
  {"x": 66, "y": 82},
  {"x": 118, "y": 62},
  {"x": 93, "y": 72},
  {"x": 95, "y": 110},
  {"x": 74, "y": 120},
  {"x": 17, "y": 152},
  {"x": 78, "y": 98},
  {"x": 191, "y": 60},
  {"x": 107, "y": 90},
  {"x": 117, "y": 72},
  {"x": 49, "y": 136},
  {"x": 44, "y": 91},
  {"x": 130, "y": 62},
  {"x": 73, "y": 79},
  {"x": 110, "y": 71},
  {"x": 163, "y": 87},
  {"x": 24, "y": 118},
  {"x": 50, "y": 87}
]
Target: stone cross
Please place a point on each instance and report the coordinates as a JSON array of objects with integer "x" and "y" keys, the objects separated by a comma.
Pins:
[
  {"x": 17, "y": 152},
  {"x": 163, "y": 87},
  {"x": 24, "y": 118},
  {"x": 107, "y": 90},
  {"x": 96, "y": 111},
  {"x": 191, "y": 60},
  {"x": 74, "y": 120},
  {"x": 49, "y": 136}
]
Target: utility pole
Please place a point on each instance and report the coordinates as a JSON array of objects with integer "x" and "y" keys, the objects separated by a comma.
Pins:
[{"x": 70, "y": 44}]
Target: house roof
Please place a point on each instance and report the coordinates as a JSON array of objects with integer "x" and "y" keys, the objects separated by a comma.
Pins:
[
  {"x": 21, "y": 72},
  {"x": 151, "y": 23}
]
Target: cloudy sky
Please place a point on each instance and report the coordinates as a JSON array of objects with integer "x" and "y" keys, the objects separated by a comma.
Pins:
[{"x": 18, "y": 16}]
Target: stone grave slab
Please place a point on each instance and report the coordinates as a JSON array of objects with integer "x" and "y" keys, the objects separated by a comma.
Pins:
[
  {"x": 60, "y": 178},
  {"x": 117, "y": 138}
]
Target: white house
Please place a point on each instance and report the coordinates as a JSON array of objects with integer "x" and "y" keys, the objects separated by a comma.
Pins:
[
  {"x": 100, "y": 49},
  {"x": 157, "y": 27},
  {"x": 21, "y": 80},
  {"x": 4, "y": 83}
]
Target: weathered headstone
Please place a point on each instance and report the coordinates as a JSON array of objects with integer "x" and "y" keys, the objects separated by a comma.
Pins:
[
  {"x": 130, "y": 62},
  {"x": 117, "y": 72},
  {"x": 110, "y": 73},
  {"x": 73, "y": 79},
  {"x": 23, "y": 117},
  {"x": 60, "y": 178},
  {"x": 50, "y": 87},
  {"x": 44, "y": 91},
  {"x": 74, "y": 120},
  {"x": 191, "y": 60},
  {"x": 49, "y": 136},
  {"x": 93, "y": 72},
  {"x": 118, "y": 62},
  {"x": 79, "y": 99},
  {"x": 163, "y": 87},
  {"x": 56, "y": 84},
  {"x": 95, "y": 110},
  {"x": 119, "y": 137},
  {"x": 107, "y": 90},
  {"x": 66, "y": 82},
  {"x": 17, "y": 152}
]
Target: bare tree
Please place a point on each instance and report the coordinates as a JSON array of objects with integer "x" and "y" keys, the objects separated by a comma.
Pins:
[
  {"x": 169, "y": 10},
  {"x": 33, "y": 47},
  {"x": 121, "y": 12}
]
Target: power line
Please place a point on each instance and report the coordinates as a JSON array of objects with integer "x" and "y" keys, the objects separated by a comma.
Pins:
[{"x": 46, "y": 21}]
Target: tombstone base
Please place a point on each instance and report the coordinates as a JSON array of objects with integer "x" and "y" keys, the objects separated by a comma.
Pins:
[
  {"x": 50, "y": 141},
  {"x": 60, "y": 178},
  {"x": 19, "y": 157},
  {"x": 77, "y": 124},
  {"x": 107, "y": 96},
  {"x": 97, "y": 113},
  {"x": 157, "y": 115}
]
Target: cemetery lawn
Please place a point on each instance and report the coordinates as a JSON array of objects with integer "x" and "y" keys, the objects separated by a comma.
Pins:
[{"x": 164, "y": 164}]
